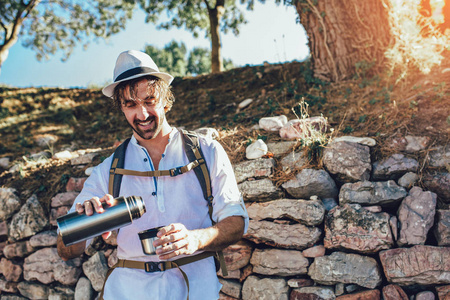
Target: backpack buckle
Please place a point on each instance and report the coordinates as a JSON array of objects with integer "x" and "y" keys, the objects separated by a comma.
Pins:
[
  {"x": 175, "y": 171},
  {"x": 152, "y": 266}
]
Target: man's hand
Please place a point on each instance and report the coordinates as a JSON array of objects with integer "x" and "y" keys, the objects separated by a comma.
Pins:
[
  {"x": 175, "y": 239},
  {"x": 87, "y": 207},
  {"x": 96, "y": 204}
]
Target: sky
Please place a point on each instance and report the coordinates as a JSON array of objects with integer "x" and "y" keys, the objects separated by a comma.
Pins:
[{"x": 271, "y": 35}]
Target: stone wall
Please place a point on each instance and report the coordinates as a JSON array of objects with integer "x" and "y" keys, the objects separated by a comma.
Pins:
[{"x": 355, "y": 229}]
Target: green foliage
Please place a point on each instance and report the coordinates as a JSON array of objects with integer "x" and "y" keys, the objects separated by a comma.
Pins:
[
  {"x": 363, "y": 71},
  {"x": 64, "y": 179},
  {"x": 373, "y": 101},
  {"x": 199, "y": 61},
  {"x": 314, "y": 100},
  {"x": 273, "y": 105},
  {"x": 24, "y": 141},
  {"x": 172, "y": 59},
  {"x": 262, "y": 137},
  {"x": 318, "y": 98},
  {"x": 193, "y": 15},
  {"x": 198, "y": 16},
  {"x": 440, "y": 90},
  {"x": 64, "y": 116},
  {"x": 4, "y": 112},
  {"x": 50, "y": 26},
  {"x": 313, "y": 139},
  {"x": 383, "y": 95},
  {"x": 348, "y": 129}
]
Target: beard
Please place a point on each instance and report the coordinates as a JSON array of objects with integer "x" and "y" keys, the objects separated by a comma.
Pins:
[{"x": 151, "y": 131}]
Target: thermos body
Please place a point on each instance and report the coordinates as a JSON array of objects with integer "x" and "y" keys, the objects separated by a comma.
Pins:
[{"x": 75, "y": 227}]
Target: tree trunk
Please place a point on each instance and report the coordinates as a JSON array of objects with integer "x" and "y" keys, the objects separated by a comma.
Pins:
[
  {"x": 342, "y": 33},
  {"x": 215, "y": 15}
]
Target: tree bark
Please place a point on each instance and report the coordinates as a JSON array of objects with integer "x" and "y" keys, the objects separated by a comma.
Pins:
[
  {"x": 215, "y": 15},
  {"x": 342, "y": 33}
]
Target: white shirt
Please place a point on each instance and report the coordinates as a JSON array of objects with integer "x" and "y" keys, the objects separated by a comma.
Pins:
[{"x": 168, "y": 200}]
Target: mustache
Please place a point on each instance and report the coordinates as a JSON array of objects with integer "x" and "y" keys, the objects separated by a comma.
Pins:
[{"x": 150, "y": 118}]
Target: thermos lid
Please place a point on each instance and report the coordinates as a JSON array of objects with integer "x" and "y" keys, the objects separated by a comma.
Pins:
[{"x": 149, "y": 233}]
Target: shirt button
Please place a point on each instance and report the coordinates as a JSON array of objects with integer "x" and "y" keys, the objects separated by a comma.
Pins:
[
  {"x": 145, "y": 159},
  {"x": 153, "y": 194}
]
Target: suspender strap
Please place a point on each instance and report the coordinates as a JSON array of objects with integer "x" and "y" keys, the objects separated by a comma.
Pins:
[{"x": 151, "y": 267}]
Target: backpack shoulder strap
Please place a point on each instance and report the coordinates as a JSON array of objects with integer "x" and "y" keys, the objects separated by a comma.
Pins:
[
  {"x": 118, "y": 162},
  {"x": 194, "y": 152}
]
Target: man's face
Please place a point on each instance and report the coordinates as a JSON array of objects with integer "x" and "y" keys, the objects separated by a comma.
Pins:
[{"x": 144, "y": 113}]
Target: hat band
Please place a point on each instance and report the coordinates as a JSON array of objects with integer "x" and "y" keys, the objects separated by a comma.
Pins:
[{"x": 134, "y": 71}]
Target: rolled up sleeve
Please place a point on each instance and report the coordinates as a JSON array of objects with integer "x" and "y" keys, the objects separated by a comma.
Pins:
[{"x": 228, "y": 200}]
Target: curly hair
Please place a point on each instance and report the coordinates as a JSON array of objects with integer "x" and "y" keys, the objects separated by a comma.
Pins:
[{"x": 155, "y": 85}]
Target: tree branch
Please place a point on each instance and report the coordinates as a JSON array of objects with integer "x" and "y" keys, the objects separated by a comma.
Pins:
[
  {"x": 18, "y": 20},
  {"x": 6, "y": 32},
  {"x": 31, "y": 5},
  {"x": 207, "y": 5}
]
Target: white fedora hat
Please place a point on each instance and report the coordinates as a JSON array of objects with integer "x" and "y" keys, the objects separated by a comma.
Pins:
[{"x": 133, "y": 64}]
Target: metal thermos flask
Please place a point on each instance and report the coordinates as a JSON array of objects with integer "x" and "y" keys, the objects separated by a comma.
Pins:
[{"x": 75, "y": 227}]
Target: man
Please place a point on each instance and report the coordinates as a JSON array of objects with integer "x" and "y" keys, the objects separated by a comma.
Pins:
[{"x": 143, "y": 95}]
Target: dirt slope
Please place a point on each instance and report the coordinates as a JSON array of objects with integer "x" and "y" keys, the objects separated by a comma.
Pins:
[{"x": 85, "y": 119}]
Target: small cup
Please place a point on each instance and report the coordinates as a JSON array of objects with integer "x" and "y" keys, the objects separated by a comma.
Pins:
[{"x": 147, "y": 237}]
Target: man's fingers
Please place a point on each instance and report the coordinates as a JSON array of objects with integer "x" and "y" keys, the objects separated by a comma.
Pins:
[
  {"x": 108, "y": 199},
  {"x": 175, "y": 240},
  {"x": 88, "y": 207},
  {"x": 94, "y": 204},
  {"x": 95, "y": 201},
  {"x": 170, "y": 255},
  {"x": 173, "y": 249},
  {"x": 79, "y": 208},
  {"x": 169, "y": 229},
  {"x": 171, "y": 238},
  {"x": 106, "y": 235}
]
